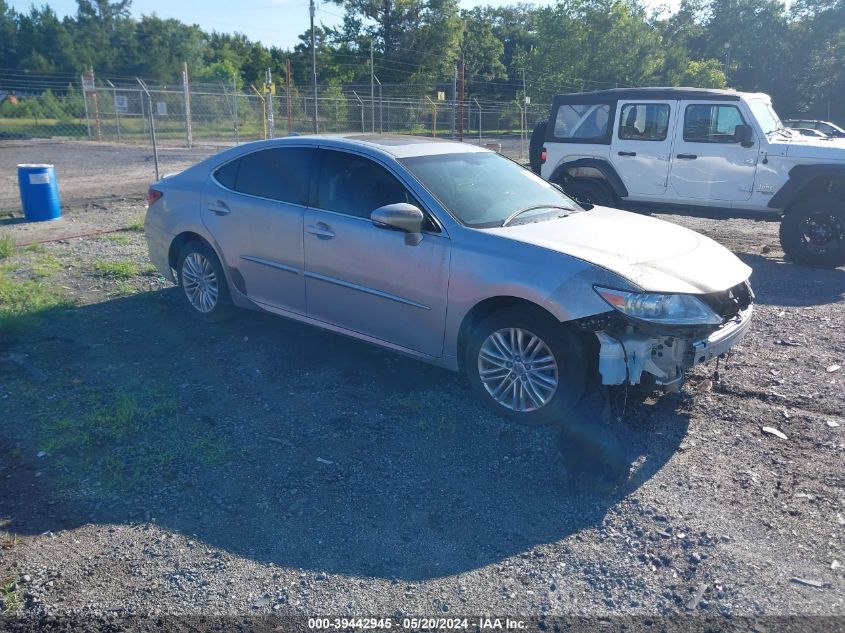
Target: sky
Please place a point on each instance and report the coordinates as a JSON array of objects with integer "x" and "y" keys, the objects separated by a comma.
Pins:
[{"x": 272, "y": 22}]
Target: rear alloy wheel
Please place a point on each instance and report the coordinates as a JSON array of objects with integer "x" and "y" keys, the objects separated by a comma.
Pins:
[
  {"x": 526, "y": 366},
  {"x": 589, "y": 192},
  {"x": 203, "y": 283},
  {"x": 812, "y": 232}
]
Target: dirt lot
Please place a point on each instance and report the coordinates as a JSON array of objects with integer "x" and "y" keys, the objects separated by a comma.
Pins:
[{"x": 150, "y": 465}]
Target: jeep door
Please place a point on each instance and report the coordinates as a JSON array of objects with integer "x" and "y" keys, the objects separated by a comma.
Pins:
[
  {"x": 642, "y": 144},
  {"x": 707, "y": 162}
]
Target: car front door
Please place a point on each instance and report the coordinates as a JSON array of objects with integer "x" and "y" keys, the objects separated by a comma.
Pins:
[
  {"x": 642, "y": 144},
  {"x": 366, "y": 278},
  {"x": 254, "y": 207},
  {"x": 707, "y": 162}
]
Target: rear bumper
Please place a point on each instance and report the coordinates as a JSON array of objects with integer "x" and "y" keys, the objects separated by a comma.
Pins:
[{"x": 158, "y": 244}]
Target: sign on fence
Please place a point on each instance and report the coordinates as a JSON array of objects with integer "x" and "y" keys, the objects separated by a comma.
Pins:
[
  {"x": 88, "y": 86},
  {"x": 161, "y": 108},
  {"x": 121, "y": 103}
]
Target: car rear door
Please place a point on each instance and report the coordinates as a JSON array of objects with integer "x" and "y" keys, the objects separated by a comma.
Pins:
[
  {"x": 366, "y": 278},
  {"x": 642, "y": 145},
  {"x": 707, "y": 163},
  {"x": 254, "y": 207}
]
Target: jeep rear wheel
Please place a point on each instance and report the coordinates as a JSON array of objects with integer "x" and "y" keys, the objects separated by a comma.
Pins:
[{"x": 812, "y": 232}]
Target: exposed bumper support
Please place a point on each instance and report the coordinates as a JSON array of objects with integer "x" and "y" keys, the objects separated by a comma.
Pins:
[{"x": 625, "y": 357}]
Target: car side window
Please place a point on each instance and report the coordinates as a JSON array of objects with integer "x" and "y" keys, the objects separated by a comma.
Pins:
[
  {"x": 644, "y": 122},
  {"x": 577, "y": 121},
  {"x": 279, "y": 173},
  {"x": 711, "y": 123},
  {"x": 357, "y": 186},
  {"x": 227, "y": 174}
]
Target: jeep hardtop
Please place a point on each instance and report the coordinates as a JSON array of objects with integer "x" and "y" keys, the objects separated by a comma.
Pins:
[{"x": 720, "y": 150}]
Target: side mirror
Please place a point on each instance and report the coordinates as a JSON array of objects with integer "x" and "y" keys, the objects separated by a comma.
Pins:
[
  {"x": 401, "y": 217},
  {"x": 744, "y": 135}
]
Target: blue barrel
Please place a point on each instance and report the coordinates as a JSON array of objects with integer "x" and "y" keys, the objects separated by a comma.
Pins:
[{"x": 39, "y": 192}]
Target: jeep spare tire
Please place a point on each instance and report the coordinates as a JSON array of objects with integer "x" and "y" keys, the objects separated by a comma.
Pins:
[{"x": 535, "y": 146}]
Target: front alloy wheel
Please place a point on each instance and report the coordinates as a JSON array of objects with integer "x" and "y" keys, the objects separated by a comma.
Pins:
[
  {"x": 526, "y": 365},
  {"x": 518, "y": 369}
]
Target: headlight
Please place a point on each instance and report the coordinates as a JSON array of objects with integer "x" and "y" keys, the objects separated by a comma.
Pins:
[{"x": 670, "y": 309}]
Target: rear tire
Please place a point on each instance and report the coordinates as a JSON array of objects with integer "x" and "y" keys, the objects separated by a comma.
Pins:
[
  {"x": 203, "y": 283},
  {"x": 590, "y": 192},
  {"x": 526, "y": 366},
  {"x": 535, "y": 146},
  {"x": 812, "y": 233}
]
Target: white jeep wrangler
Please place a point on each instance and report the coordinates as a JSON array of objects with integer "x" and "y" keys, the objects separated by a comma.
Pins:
[{"x": 721, "y": 150}]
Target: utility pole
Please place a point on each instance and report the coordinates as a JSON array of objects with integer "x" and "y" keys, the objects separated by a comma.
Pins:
[
  {"x": 372, "y": 91},
  {"x": 454, "y": 97},
  {"x": 235, "y": 107},
  {"x": 269, "y": 90},
  {"x": 290, "y": 104},
  {"x": 314, "y": 64},
  {"x": 381, "y": 106},
  {"x": 461, "y": 102}
]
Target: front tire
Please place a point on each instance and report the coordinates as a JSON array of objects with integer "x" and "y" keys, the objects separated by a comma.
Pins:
[
  {"x": 812, "y": 233},
  {"x": 203, "y": 283},
  {"x": 589, "y": 192},
  {"x": 526, "y": 366}
]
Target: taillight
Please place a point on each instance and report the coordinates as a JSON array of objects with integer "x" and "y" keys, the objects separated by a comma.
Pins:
[
  {"x": 543, "y": 155},
  {"x": 153, "y": 195}
]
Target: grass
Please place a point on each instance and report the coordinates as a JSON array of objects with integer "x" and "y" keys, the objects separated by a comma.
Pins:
[
  {"x": 120, "y": 269},
  {"x": 8, "y": 540},
  {"x": 118, "y": 238},
  {"x": 21, "y": 299},
  {"x": 11, "y": 595},
  {"x": 45, "y": 266},
  {"x": 36, "y": 248},
  {"x": 125, "y": 440},
  {"x": 137, "y": 224},
  {"x": 7, "y": 246}
]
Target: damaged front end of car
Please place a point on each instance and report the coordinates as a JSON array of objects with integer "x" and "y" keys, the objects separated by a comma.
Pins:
[{"x": 655, "y": 338}]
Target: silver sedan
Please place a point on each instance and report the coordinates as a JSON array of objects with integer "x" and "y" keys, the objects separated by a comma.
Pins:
[{"x": 451, "y": 254}]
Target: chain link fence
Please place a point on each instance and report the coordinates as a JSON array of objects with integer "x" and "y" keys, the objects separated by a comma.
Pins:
[{"x": 114, "y": 138}]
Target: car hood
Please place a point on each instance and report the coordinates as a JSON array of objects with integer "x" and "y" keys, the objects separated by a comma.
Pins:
[
  {"x": 655, "y": 255},
  {"x": 826, "y": 149}
]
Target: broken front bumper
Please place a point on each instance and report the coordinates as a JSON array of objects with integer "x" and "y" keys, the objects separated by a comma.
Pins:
[{"x": 625, "y": 357}]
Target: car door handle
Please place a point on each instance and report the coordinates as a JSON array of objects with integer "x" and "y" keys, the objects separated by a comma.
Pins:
[
  {"x": 627, "y": 153},
  {"x": 219, "y": 208},
  {"x": 320, "y": 230},
  {"x": 687, "y": 156}
]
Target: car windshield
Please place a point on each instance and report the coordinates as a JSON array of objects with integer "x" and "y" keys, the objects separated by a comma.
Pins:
[
  {"x": 766, "y": 116},
  {"x": 483, "y": 189}
]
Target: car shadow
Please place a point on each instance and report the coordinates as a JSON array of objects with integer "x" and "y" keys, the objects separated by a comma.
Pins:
[
  {"x": 783, "y": 283},
  {"x": 279, "y": 442}
]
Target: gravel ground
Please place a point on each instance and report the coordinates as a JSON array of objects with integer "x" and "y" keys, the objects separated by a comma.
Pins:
[{"x": 153, "y": 466}]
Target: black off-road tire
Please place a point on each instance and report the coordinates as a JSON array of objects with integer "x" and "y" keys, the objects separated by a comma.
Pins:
[
  {"x": 535, "y": 146},
  {"x": 222, "y": 307},
  {"x": 568, "y": 352},
  {"x": 589, "y": 192},
  {"x": 812, "y": 233}
]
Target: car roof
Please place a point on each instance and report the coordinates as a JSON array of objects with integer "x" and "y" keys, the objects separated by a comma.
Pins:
[
  {"x": 675, "y": 93},
  {"x": 395, "y": 145}
]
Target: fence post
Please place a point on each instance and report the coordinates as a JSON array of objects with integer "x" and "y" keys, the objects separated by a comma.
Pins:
[
  {"x": 186, "y": 88},
  {"x": 263, "y": 110},
  {"x": 235, "y": 108},
  {"x": 478, "y": 105},
  {"x": 362, "y": 110},
  {"x": 85, "y": 102},
  {"x": 433, "y": 117},
  {"x": 152, "y": 124},
  {"x": 116, "y": 111}
]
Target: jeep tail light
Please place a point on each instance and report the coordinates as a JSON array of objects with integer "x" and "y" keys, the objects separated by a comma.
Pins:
[
  {"x": 543, "y": 155},
  {"x": 153, "y": 195}
]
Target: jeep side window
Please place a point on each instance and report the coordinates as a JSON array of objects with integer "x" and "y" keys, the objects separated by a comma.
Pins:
[
  {"x": 706, "y": 123},
  {"x": 644, "y": 122},
  {"x": 588, "y": 121}
]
